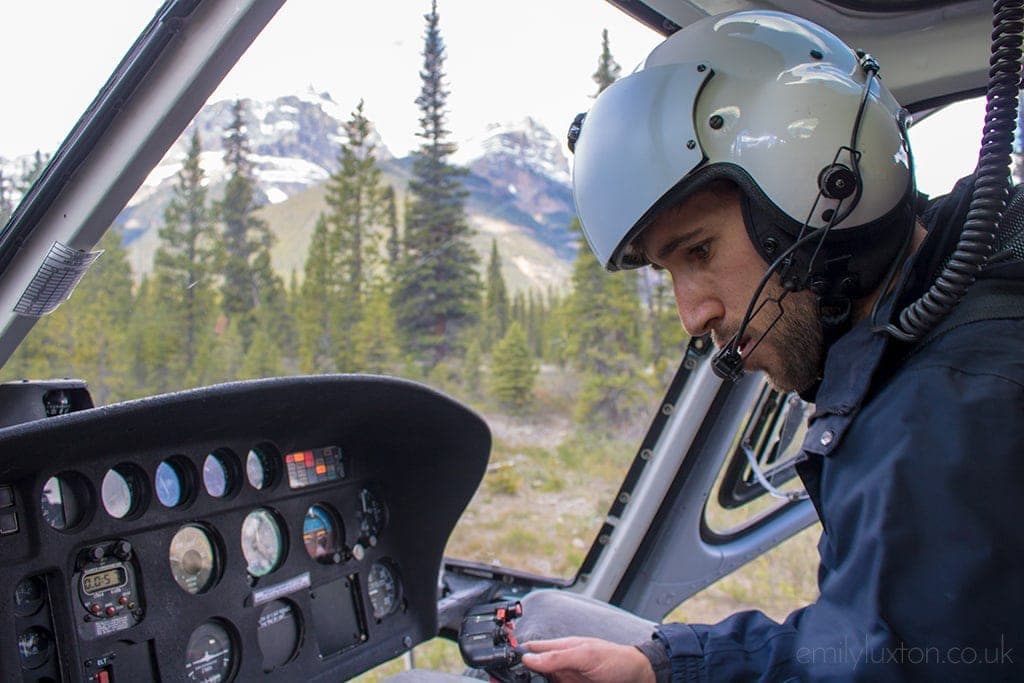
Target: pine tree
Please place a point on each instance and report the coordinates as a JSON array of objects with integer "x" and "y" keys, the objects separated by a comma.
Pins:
[
  {"x": 513, "y": 371},
  {"x": 355, "y": 200},
  {"x": 535, "y": 314},
  {"x": 608, "y": 69},
  {"x": 375, "y": 333},
  {"x": 437, "y": 293},
  {"x": 602, "y": 339},
  {"x": 318, "y": 295},
  {"x": 496, "y": 307},
  {"x": 184, "y": 263},
  {"x": 263, "y": 358},
  {"x": 661, "y": 321},
  {"x": 87, "y": 336},
  {"x": 394, "y": 244},
  {"x": 153, "y": 343},
  {"x": 100, "y": 310},
  {"x": 249, "y": 279},
  {"x": 471, "y": 370}
]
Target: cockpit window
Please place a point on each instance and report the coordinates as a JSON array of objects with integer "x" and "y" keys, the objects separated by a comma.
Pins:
[
  {"x": 60, "y": 55},
  {"x": 281, "y": 235}
]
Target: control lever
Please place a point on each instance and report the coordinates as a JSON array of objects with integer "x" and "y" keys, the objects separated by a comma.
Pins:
[{"x": 487, "y": 641}]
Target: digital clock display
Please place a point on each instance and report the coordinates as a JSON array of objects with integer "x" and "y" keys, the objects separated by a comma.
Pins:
[{"x": 101, "y": 581}]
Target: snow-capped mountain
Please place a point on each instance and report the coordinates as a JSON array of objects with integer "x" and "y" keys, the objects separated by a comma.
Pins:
[
  {"x": 294, "y": 142},
  {"x": 518, "y": 184},
  {"x": 523, "y": 144}
]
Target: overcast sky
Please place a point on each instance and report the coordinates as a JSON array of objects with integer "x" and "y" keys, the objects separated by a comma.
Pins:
[
  {"x": 534, "y": 58},
  {"x": 505, "y": 61}
]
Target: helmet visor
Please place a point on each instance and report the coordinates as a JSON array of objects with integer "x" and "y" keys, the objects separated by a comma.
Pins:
[{"x": 633, "y": 148}]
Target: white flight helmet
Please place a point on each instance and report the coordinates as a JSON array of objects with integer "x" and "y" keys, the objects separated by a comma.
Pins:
[{"x": 769, "y": 101}]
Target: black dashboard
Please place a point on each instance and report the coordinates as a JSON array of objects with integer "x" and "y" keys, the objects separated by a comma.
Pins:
[{"x": 278, "y": 529}]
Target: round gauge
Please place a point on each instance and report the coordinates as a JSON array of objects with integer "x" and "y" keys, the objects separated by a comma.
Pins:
[
  {"x": 372, "y": 516},
  {"x": 121, "y": 491},
  {"x": 323, "y": 534},
  {"x": 55, "y": 503},
  {"x": 218, "y": 475},
  {"x": 279, "y": 633},
  {"x": 210, "y": 653},
  {"x": 35, "y": 646},
  {"x": 260, "y": 467},
  {"x": 262, "y": 542},
  {"x": 193, "y": 559},
  {"x": 168, "y": 484},
  {"x": 29, "y": 595},
  {"x": 384, "y": 587},
  {"x": 173, "y": 482}
]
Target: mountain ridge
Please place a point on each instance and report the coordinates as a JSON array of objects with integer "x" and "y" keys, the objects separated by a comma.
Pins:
[{"x": 518, "y": 192}]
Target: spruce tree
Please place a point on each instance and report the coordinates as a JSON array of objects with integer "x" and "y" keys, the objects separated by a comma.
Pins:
[
  {"x": 318, "y": 294},
  {"x": 496, "y": 307},
  {"x": 375, "y": 334},
  {"x": 437, "y": 292},
  {"x": 101, "y": 310},
  {"x": 249, "y": 279},
  {"x": 513, "y": 370},
  {"x": 263, "y": 358},
  {"x": 355, "y": 200},
  {"x": 155, "y": 348},
  {"x": 184, "y": 263},
  {"x": 602, "y": 336},
  {"x": 394, "y": 244},
  {"x": 471, "y": 370},
  {"x": 608, "y": 69},
  {"x": 87, "y": 336},
  {"x": 602, "y": 339}
]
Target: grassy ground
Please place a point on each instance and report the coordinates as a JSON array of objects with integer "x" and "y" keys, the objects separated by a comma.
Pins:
[{"x": 543, "y": 499}]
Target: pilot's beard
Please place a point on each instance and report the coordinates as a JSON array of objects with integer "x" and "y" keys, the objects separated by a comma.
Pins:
[{"x": 792, "y": 352}]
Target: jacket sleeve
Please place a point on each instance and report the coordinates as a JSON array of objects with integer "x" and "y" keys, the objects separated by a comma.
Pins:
[{"x": 921, "y": 555}]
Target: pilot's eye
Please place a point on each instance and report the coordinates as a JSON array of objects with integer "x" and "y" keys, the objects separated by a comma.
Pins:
[{"x": 701, "y": 252}]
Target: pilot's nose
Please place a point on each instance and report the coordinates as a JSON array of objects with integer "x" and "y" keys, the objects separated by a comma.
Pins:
[{"x": 700, "y": 311}]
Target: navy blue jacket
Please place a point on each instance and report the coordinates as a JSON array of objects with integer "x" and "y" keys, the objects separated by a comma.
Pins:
[{"x": 914, "y": 459}]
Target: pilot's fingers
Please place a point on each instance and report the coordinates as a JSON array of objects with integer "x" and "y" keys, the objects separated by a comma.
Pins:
[
  {"x": 568, "y": 660},
  {"x": 554, "y": 644}
]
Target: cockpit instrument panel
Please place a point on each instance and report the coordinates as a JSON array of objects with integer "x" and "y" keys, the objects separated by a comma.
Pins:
[{"x": 242, "y": 532}]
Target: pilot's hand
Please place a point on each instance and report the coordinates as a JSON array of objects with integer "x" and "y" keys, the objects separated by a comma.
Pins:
[{"x": 572, "y": 660}]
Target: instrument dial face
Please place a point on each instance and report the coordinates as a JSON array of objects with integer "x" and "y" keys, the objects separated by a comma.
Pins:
[
  {"x": 193, "y": 559},
  {"x": 372, "y": 515},
  {"x": 120, "y": 492},
  {"x": 35, "y": 646},
  {"x": 29, "y": 596},
  {"x": 218, "y": 477},
  {"x": 260, "y": 468},
  {"x": 170, "y": 484},
  {"x": 262, "y": 542},
  {"x": 279, "y": 633},
  {"x": 52, "y": 504},
  {"x": 385, "y": 588},
  {"x": 322, "y": 534},
  {"x": 210, "y": 654}
]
